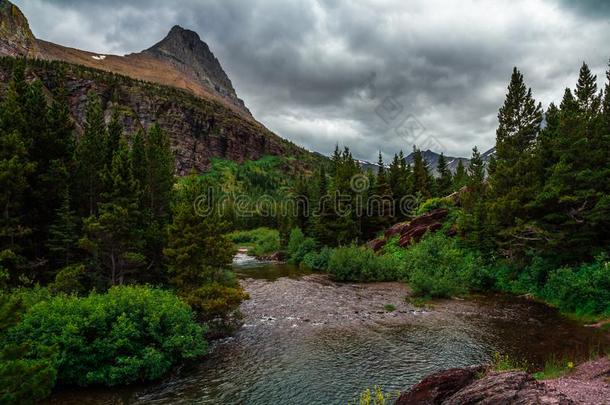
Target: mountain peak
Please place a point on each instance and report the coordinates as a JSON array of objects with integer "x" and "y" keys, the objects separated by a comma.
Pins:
[
  {"x": 17, "y": 38},
  {"x": 185, "y": 50},
  {"x": 182, "y": 34}
]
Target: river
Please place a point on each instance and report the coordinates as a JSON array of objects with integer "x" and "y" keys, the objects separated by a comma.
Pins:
[{"x": 308, "y": 340}]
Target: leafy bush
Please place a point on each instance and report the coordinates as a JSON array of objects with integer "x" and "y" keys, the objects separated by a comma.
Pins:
[
  {"x": 264, "y": 241},
  {"x": 214, "y": 300},
  {"x": 584, "y": 290},
  {"x": 359, "y": 264},
  {"x": 438, "y": 267},
  {"x": 434, "y": 203},
  {"x": 299, "y": 246},
  {"x": 22, "y": 379},
  {"x": 317, "y": 261},
  {"x": 69, "y": 280},
  {"x": 128, "y": 334}
]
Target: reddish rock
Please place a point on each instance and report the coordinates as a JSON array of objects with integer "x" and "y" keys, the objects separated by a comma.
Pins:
[
  {"x": 466, "y": 386},
  {"x": 430, "y": 217},
  {"x": 376, "y": 244},
  {"x": 396, "y": 229},
  {"x": 437, "y": 387},
  {"x": 413, "y": 230}
]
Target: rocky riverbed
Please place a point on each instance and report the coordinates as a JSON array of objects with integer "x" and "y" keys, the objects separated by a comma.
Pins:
[{"x": 308, "y": 340}]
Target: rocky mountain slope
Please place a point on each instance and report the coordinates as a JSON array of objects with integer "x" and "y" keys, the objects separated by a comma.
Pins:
[
  {"x": 177, "y": 83},
  {"x": 185, "y": 51},
  {"x": 180, "y": 60}
]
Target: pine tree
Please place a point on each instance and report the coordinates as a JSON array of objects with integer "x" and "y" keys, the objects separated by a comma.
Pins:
[
  {"x": 422, "y": 180},
  {"x": 445, "y": 179},
  {"x": 15, "y": 168},
  {"x": 91, "y": 156},
  {"x": 381, "y": 203},
  {"x": 115, "y": 235},
  {"x": 476, "y": 172},
  {"x": 160, "y": 172},
  {"x": 512, "y": 184},
  {"x": 474, "y": 221},
  {"x": 115, "y": 134},
  {"x": 63, "y": 233},
  {"x": 138, "y": 159},
  {"x": 12, "y": 113},
  {"x": 460, "y": 179},
  {"x": 573, "y": 207},
  {"x": 196, "y": 250}
]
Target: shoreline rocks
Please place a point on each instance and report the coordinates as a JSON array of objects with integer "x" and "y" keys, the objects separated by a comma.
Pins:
[{"x": 476, "y": 385}]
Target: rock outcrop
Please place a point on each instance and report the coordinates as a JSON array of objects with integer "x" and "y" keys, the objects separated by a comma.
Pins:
[
  {"x": 411, "y": 231},
  {"x": 200, "y": 129},
  {"x": 17, "y": 38},
  {"x": 473, "y": 386}
]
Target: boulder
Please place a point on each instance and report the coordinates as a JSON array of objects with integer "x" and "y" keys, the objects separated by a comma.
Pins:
[
  {"x": 396, "y": 229},
  {"x": 469, "y": 386},
  {"x": 437, "y": 387}
]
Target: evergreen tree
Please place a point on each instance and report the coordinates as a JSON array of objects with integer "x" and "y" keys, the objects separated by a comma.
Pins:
[
  {"x": 445, "y": 179},
  {"x": 114, "y": 236},
  {"x": 160, "y": 172},
  {"x": 512, "y": 184},
  {"x": 199, "y": 257},
  {"x": 476, "y": 172},
  {"x": 15, "y": 168},
  {"x": 91, "y": 156},
  {"x": 460, "y": 179},
  {"x": 422, "y": 180},
  {"x": 63, "y": 233},
  {"x": 115, "y": 134},
  {"x": 12, "y": 113},
  {"x": 573, "y": 207},
  {"x": 138, "y": 160}
]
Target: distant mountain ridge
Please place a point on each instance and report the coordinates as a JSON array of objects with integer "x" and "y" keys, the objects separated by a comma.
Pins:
[{"x": 432, "y": 159}]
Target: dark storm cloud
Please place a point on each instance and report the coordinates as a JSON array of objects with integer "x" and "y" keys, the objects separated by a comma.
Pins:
[{"x": 368, "y": 74}]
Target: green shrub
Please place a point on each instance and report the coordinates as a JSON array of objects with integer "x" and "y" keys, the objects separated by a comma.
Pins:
[
  {"x": 317, "y": 261},
  {"x": 434, "y": 203},
  {"x": 299, "y": 246},
  {"x": 359, "y": 264},
  {"x": 584, "y": 290},
  {"x": 438, "y": 267},
  {"x": 22, "y": 379},
  {"x": 264, "y": 241},
  {"x": 128, "y": 334},
  {"x": 69, "y": 280}
]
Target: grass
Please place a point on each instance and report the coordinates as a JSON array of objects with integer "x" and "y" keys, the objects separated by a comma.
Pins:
[
  {"x": 419, "y": 302},
  {"x": 554, "y": 368},
  {"x": 376, "y": 396},
  {"x": 504, "y": 362},
  {"x": 389, "y": 307}
]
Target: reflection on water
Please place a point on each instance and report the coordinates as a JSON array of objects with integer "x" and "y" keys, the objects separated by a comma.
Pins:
[{"x": 288, "y": 359}]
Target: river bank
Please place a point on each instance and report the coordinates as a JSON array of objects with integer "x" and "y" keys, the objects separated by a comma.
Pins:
[
  {"x": 307, "y": 339},
  {"x": 588, "y": 383}
]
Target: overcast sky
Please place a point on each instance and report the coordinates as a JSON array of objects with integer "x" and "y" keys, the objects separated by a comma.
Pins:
[{"x": 369, "y": 74}]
